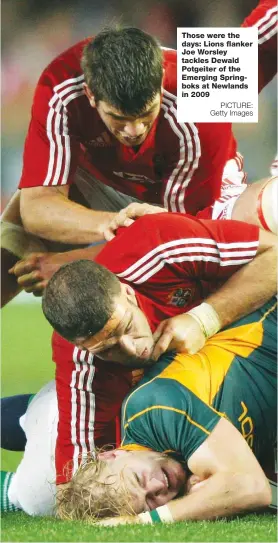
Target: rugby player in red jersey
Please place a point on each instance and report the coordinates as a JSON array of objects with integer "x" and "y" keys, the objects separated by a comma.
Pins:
[{"x": 104, "y": 132}]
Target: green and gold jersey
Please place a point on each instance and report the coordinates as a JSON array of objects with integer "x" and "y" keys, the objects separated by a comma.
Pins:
[{"x": 182, "y": 397}]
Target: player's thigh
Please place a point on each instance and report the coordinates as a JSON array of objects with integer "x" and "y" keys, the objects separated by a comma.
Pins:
[{"x": 96, "y": 195}]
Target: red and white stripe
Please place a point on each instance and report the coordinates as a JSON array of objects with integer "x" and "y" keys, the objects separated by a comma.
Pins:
[
  {"x": 82, "y": 406},
  {"x": 190, "y": 152},
  {"x": 57, "y": 130},
  {"x": 267, "y": 25},
  {"x": 233, "y": 174},
  {"x": 189, "y": 250}
]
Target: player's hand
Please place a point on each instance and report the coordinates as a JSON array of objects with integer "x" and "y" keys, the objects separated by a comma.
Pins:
[
  {"x": 127, "y": 216},
  {"x": 34, "y": 272},
  {"x": 116, "y": 521},
  {"x": 181, "y": 333}
]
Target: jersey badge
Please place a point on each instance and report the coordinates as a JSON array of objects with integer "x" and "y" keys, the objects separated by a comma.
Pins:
[
  {"x": 134, "y": 177},
  {"x": 179, "y": 297}
]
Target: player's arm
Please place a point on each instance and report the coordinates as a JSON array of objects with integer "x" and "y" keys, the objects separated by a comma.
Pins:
[
  {"x": 251, "y": 286},
  {"x": 34, "y": 272},
  {"x": 234, "y": 481},
  {"x": 248, "y": 271},
  {"x": 48, "y": 213},
  {"x": 50, "y": 160}
]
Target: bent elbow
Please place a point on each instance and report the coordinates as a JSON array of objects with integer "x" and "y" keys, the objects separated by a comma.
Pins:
[
  {"x": 265, "y": 493},
  {"x": 261, "y": 491}
]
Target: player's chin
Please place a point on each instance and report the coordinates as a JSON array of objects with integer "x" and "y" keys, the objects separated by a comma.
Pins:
[{"x": 137, "y": 363}]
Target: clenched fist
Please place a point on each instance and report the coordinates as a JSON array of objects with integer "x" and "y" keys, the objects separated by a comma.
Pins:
[{"x": 181, "y": 333}]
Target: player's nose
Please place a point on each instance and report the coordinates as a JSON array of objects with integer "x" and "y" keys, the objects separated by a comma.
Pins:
[
  {"x": 153, "y": 486},
  {"x": 127, "y": 345},
  {"x": 134, "y": 129}
]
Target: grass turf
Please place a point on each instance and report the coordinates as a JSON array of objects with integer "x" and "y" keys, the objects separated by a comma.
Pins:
[
  {"x": 26, "y": 357},
  {"x": 26, "y": 366},
  {"x": 19, "y": 527}
]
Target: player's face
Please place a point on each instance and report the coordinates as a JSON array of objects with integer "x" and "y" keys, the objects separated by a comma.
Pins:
[
  {"x": 130, "y": 131},
  {"x": 126, "y": 338},
  {"x": 150, "y": 478}
]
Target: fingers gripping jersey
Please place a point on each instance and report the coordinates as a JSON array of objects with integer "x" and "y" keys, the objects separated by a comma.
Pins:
[
  {"x": 264, "y": 17},
  {"x": 179, "y": 165},
  {"x": 182, "y": 398},
  {"x": 175, "y": 261}
]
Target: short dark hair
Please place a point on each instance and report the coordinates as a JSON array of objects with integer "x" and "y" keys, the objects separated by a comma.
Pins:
[
  {"x": 123, "y": 67},
  {"x": 80, "y": 298}
]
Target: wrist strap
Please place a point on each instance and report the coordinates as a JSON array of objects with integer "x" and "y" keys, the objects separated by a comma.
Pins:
[
  {"x": 145, "y": 518},
  {"x": 160, "y": 514},
  {"x": 207, "y": 319},
  {"x": 164, "y": 513}
]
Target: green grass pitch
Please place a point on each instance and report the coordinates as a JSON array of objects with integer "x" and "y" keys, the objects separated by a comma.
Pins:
[{"x": 26, "y": 366}]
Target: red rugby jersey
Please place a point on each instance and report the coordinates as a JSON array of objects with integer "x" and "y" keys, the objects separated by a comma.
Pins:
[
  {"x": 172, "y": 261},
  {"x": 264, "y": 17},
  {"x": 178, "y": 165}
]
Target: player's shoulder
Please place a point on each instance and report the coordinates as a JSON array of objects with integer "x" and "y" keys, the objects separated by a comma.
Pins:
[
  {"x": 65, "y": 69},
  {"x": 168, "y": 222},
  {"x": 264, "y": 13}
]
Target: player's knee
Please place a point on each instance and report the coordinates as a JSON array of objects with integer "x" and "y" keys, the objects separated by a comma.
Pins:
[
  {"x": 258, "y": 205},
  {"x": 267, "y": 206}
]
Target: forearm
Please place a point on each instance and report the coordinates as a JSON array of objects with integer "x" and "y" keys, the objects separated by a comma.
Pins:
[
  {"x": 11, "y": 212},
  {"x": 222, "y": 495},
  {"x": 52, "y": 262},
  {"x": 56, "y": 218},
  {"x": 249, "y": 288}
]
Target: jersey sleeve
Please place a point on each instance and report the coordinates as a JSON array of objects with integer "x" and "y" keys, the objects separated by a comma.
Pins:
[
  {"x": 167, "y": 417},
  {"x": 264, "y": 18},
  {"x": 157, "y": 249},
  {"x": 195, "y": 169},
  {"x": 90, "y": 395},
  {"x": 51, "y": 147}
]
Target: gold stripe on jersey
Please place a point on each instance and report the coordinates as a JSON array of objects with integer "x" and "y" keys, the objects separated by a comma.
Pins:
[
  {"x": 135, "y": 447},
  {"x": 203, "y": 373},
  {"x": 134, "y": 392},
  {"x": 166, "y": 408}
]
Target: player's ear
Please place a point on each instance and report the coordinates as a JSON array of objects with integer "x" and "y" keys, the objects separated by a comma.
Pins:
[
  {"x": 163, "y": 74},
  {"x": 128, "y": 291},
  {"x": 89, "y": 95},
  {"x": 111, "y": 455}
]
